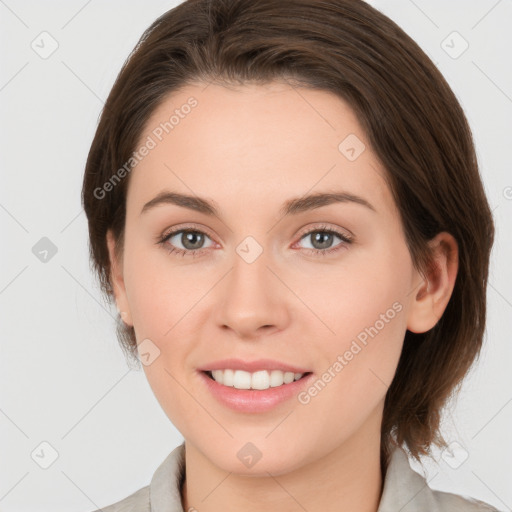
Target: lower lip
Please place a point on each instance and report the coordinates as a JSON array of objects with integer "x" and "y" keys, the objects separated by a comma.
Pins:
[{"x": 254, "y": 400}]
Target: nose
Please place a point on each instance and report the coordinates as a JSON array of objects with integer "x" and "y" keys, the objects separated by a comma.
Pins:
[{"x": 252, "y": 300}]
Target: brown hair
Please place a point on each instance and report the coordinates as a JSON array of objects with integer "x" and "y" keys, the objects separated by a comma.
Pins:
[{"x": 411, "y": 117}]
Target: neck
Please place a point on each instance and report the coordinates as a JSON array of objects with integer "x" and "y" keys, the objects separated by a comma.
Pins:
[{"x": 348, "y": 478}]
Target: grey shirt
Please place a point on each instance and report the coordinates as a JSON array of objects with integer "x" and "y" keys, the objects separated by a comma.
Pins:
[{"x": 404, "y": 490}]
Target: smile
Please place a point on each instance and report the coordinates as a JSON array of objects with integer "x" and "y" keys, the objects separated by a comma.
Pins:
[
  {"x": 258, "y": 392},
  {"x": 260, "y": 380}
]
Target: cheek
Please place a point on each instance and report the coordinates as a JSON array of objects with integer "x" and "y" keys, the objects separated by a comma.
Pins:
[
  {"x": 359, "y": 365},
  {"x": 170, "y": 390},
  {"x": 161, "y": 302},
  {"x": 366, "y": 314},
  {"x": 158, "y": 294},
  {"x": 364, "y": 299}
]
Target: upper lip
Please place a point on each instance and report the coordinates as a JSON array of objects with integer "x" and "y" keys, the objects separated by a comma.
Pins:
[{"x": 251, "y": 366}]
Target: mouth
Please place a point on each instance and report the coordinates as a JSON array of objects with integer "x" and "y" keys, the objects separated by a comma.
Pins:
[
  {"x": 258, "y": 391},
  {"x": 259, "y": 380}
]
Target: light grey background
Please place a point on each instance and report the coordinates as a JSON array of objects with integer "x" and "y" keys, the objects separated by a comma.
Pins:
[{"x": 63, "y": 378}]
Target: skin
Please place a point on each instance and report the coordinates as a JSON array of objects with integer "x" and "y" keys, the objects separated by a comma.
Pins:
[{"x": 250, "y": 148}]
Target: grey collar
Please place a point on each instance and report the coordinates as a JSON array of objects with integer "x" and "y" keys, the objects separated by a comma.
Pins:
[{"x": 404, "y": 489}]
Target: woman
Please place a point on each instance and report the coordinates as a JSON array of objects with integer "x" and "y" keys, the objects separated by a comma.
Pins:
[{"x": 284, "y": 202}]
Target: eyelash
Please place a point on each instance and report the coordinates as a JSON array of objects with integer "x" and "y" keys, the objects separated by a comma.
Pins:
[{"x": 321, "y": 229}]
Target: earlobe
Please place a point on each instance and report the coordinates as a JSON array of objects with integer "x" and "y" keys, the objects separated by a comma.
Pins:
[
  {"x": 117, "y": 280},
  {"x": 433, "y": 295}
]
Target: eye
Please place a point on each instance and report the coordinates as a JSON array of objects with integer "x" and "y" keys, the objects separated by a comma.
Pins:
[
  {"x": 322, "y": 240},
  {"x": 191, "y": 240}
]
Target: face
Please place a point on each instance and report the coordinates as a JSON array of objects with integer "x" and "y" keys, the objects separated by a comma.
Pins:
[{"x": 326, "y": 288}]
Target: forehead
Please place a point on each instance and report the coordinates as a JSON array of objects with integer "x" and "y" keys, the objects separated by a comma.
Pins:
[{"x": 255, "y": 144}]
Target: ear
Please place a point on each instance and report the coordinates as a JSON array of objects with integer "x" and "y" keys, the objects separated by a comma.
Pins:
[
  {"x": 117, "y": 280},
  {"x": 436, "y": 288}
]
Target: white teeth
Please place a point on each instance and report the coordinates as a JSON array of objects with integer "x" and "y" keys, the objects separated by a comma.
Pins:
[
  {"x": 262, "y": 379},
  {"x": 242, "y": 380},
  {"x": 259, "y": 380}
]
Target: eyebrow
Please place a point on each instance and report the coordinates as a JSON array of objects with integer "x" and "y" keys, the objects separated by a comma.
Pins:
[{"x": 291, "y": 207}]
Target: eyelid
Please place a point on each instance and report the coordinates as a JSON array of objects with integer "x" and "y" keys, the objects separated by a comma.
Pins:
[
  {"x": 324, "y": 226},
  {"x": 185, "y": 227}
]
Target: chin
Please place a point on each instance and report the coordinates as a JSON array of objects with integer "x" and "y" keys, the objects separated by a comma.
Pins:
[{"x": 255, "y": 458}]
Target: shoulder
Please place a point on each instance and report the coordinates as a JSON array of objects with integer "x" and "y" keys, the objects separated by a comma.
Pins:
[
  {"x": 136, "y": 502},
  {"x": 163, "y": 492},
  {"x": 408, "y": 491},
  {"x": 455, "y": 502}
]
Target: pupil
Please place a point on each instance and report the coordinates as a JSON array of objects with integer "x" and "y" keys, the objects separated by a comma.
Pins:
[
  {"x": 318, "y": 238},
  {"x": 189, "y": 237}
]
